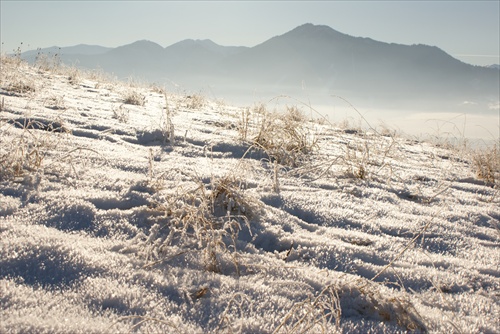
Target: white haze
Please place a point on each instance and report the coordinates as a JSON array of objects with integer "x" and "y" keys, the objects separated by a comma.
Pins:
[{"x": 475, "y": 122}]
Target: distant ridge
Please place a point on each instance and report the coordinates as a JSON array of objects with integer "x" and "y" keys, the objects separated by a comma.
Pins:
[
  {"x": 80, "y": 49},
  {"x": 313, "y": 56}
]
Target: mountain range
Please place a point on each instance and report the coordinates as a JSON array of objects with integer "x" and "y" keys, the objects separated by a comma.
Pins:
[{"x": 313, "y": 57}]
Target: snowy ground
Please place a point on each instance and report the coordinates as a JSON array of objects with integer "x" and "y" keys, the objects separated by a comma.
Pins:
[{"x": 123, "y": 218}]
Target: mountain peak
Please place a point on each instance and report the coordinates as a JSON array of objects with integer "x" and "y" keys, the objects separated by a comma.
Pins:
[
  {"x": 204, "y": 45},
  {"x": 190, "y": 42},
  {"x": 138, "y": 49},
  {"x": 142, "y": 44},
  {"x": 310, "y": 30},
  {"x": 313, "y": 27}
]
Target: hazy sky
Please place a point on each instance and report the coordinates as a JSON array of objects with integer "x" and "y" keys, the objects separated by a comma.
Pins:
[{"x": 468, "y": 30}]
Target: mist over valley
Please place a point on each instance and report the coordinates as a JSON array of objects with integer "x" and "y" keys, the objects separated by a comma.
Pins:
[{"x": 320, "y": 68}]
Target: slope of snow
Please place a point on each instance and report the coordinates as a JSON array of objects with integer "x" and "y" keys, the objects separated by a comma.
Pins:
[{"x": 163, "y": 218}]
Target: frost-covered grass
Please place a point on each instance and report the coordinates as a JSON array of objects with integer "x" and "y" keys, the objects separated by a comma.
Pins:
[{"x": 239, "y": 221}]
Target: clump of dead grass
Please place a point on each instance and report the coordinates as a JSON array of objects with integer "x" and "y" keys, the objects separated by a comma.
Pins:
[
  {"x": 195, "y": 101},
  {"x": 20, "y": 87},
  {"x": 487, "y": 164},
  {"x": 46, "y": 62},
  {"x": 25, "y": 145},
  {"x": 313, "y": 314},
  {"x": 396, "y": 310},
  {"x": 285, "y": 137},
  {"x": 368, "y": 155},
  {"x": 55, "y": 102},
  {"x": 134, "y": 98},
  {"x": 121, "y": 113},
  {"x": 14, "y": 79},
  {"x": 205, "y": 218}
]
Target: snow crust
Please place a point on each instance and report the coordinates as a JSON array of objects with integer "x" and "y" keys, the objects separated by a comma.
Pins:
[{"x": 92, "y": 239}]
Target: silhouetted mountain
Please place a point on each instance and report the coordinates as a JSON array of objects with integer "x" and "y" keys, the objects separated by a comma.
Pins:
[
  {"x": 141, "y": 59},
  {"x": 81, "y": 49},
  {"x": 190, "y": 45},
  {"x": 196, "y": 57},
  {"x": 140, "y": 50},
  {"x": 323, "y": 58},
  {"x": 70, "y": 54},
  {"x": 318, "y": 58}
]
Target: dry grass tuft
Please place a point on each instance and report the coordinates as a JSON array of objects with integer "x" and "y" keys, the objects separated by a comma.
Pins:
[
  {"x": 395, "y": 310},
  {"x": 134, "y": 98},
  {"x": 47, "y": 63},
  {"x": 55, "y": 103},
  {"x": 487, "y": 164},
  {"x": 206, "y": 218},
  {"x": 73, "y": 76},
  {"x": 284, "y": 137},
  {"x": 28, "y": 146},
  {"x": 166, "y": 124},
  {"x": 313, "y": 314},
  {"x": 20, "y": 87},
  {"x": 121, "y": 113},
  {"x": 195, "y": 101}
]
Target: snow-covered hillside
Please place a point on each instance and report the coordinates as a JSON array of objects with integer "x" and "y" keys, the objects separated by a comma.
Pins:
[{"x": 175, "y": 214}]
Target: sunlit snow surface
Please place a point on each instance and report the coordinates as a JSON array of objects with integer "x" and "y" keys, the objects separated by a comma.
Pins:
[{"x": 84, "y": 238}]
